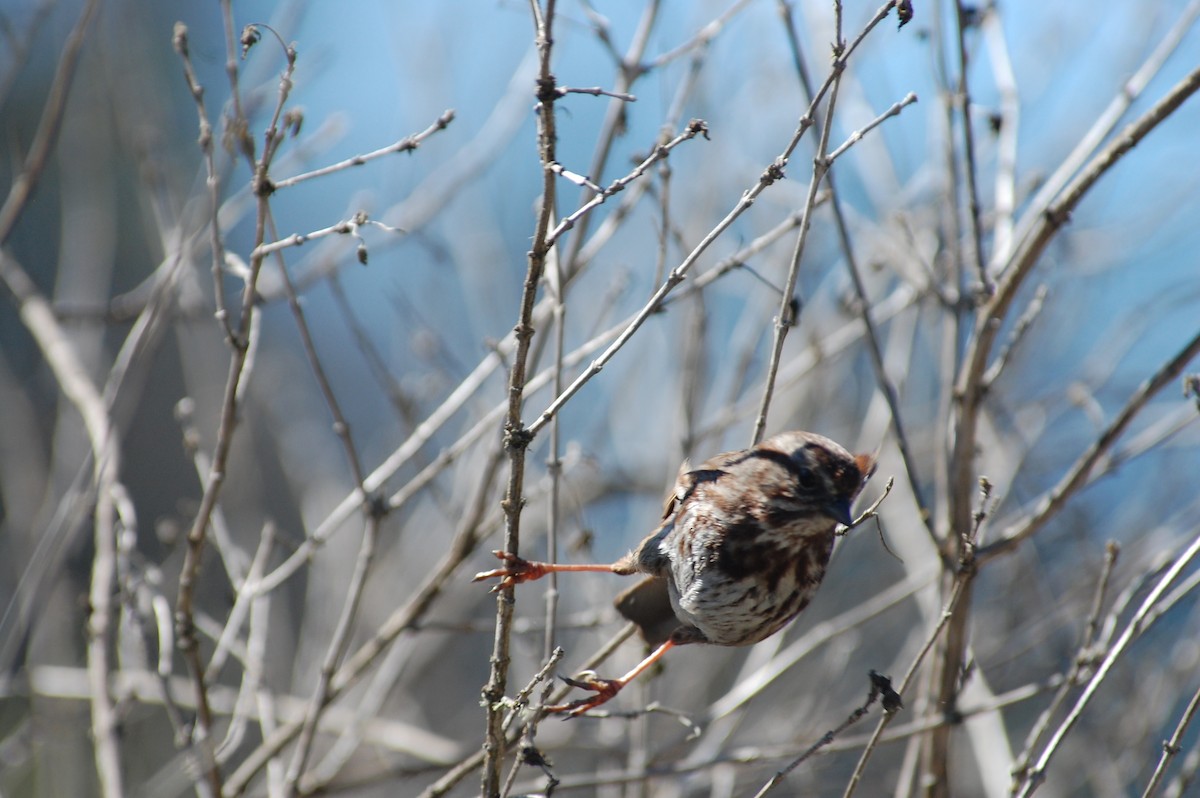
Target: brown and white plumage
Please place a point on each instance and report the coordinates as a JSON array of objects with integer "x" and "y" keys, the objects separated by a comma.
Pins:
[
  {"x": 747, "y": 536},
  {"x": 741, "y": 550}
]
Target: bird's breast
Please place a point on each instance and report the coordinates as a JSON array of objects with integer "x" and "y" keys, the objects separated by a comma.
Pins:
[{"x": 739, "y": 585}]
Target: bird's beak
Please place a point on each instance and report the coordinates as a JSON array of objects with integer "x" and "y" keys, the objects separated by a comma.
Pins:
[{"x": 839, "y": 510}]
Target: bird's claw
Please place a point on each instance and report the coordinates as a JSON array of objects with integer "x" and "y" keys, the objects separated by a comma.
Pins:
[
  {"x": 517, "y": 570},
  {"x": 604, "y": 690}
]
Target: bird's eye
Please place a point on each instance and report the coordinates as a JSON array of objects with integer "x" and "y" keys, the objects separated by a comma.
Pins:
[{"x": 806, "y": 478}]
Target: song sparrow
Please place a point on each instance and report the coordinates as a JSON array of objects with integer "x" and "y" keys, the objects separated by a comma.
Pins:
[{"x": 741, "y": 550}]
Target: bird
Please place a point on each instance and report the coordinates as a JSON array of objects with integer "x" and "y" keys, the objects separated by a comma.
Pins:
[{"x": 742, "y": 547}]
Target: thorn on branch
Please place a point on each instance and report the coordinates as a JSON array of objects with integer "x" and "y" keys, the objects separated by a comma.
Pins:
[{"x": 882, "y": 685}]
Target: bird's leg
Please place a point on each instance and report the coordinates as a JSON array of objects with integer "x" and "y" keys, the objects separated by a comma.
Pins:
[
  {"x": 518, "y": 569},
  {"x": 605, "y": 689}
]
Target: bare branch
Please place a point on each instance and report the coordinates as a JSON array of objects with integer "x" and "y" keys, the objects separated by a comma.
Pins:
[
  {"x": 1077, "y": 476},
  {"x": 861, "y": 133},
  {"x": 596, "y": 91},
  {"x": 1133, "y": 630},
  {"x": 1084, "y": 658},
  {"x": 406, "y": 144},
  {"x": 49, "y": 124},
  {"x": 1172, "y": 746}
]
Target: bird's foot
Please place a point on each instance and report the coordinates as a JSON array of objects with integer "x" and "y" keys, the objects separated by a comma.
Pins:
[
  {"x": 517, "y": 570},
  {"x": 603, "y": 689}
]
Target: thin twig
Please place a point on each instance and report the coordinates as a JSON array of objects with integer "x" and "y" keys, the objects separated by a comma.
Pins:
[
  {"x": 239, "y": 344},
  {"x": 769, "y": 176},
  {"x": 132, "y": 686},
  {"x": 596, "y": 91},
  {"x": 469, "y": 386},
  {"x": 970, "y": 391},
  {"x": 20, "y": 45},
  {"x": 1172, "y": 747},
  {"x": 963, "y": 96},
  {"x": 1187, "y": 774},
  {"x": 421, "y": 434},
  {"x": 950, "y": 621},
  {"x": 1030, "y": 248},
  {"x": 468, "y": 765},
  {"x": 826, "y": 739},
  {"x": 243, "y": 607},
  {"x": 1134, "y": 629},
  {"x": 384, "y": 679},
  {"x": 406, "y": 144},
  {"x": 1078, "y": 475},
  {"x": 233, "y": 559},
  {"x": 403, "y": 619},
  {"x": 49, "y": 124},
  {"x": 374, "y": 511},
  {"x": 749, "y": 755},
  {"x": 78, "y": 388},
  {"x": 903, "y": 298},
  {"x": 871, "y": 335},
  {"x": 1128, "y": 93},
  {"x": 1007, "y": 128},
  {"x": 1083, "y": 659},
  {"x": 960, "y": 587},
  {"x": 702, "y": 37},
  {"x": 212, "y": 180},
  {"x": 1018, "y": 334},
  {"x": 788, "y": 303},
  {"x": 601, "y": 195},
  {"x": 628, "y": 72},
  {"x": 554, "y": 467},
  {"x": 860, "y": 134},
  {"x": 348, "y": 227},
  {"x": 334, "y": 653}
]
